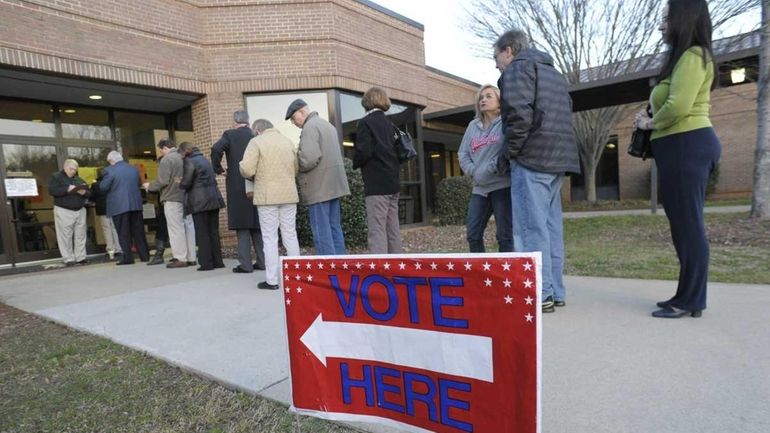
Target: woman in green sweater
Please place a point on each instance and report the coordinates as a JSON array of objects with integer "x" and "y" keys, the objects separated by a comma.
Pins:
[{"x": 685, "y": 146}]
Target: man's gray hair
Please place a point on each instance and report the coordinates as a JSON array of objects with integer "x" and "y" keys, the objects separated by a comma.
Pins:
[
  {"x": 514, "y": 38},
  {"x": 241, "y": 116},
  {"x": 114, "y": 156},
  {"x": 261, "y": 125},
  {"x": 70, "y": 163}
]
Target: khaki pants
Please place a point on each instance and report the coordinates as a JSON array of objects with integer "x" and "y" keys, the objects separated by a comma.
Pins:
[
  {"x": 383, "y": 231},
  {"x": 70, "y": 233},
  {"x": 181, "y": 231},
  {"x": 272, "y": 217},
  {"x": 110, "y": 235}
]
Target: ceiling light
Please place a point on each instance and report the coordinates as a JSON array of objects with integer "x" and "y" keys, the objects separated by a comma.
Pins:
[
  {"x": 610, "y": 145},
  {"x": 738, "y": 75},
  {"x": 37, "y": 120},
  {"x": 347, "y": 143},
  {"x": 435, "y": 155},
  {"x": 69, "y": 111},
  {"x": 95, "y": 97},
  {"x": 147, "y": 152}
]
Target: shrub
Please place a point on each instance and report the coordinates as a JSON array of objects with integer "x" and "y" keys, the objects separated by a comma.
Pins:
[
  {"x": 453, "y": 195},
  {"x": 353, "y": 212}
]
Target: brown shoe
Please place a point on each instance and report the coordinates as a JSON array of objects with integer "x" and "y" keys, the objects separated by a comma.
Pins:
[{"x": 177, "y": 264}]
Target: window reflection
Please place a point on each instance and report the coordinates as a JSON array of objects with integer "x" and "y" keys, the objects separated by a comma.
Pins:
[
  {"x": 273, "y": 108},
  {"x": 26, "y": 118},
  {"x": 89, "y": 159},
  {"x": 85, "y": 123}
]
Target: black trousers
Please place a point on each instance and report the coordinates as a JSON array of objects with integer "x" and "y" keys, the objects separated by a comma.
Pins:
[
  {"x": 130, "y": 226},
  {"x": 207, "y": 239},
  {"x": 684, "y": 163}
]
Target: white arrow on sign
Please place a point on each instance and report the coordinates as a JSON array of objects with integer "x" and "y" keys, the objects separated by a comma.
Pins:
[{"x": 441, "y": 352}]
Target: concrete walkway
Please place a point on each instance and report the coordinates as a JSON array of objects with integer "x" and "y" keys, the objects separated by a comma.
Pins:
[{"x": 608, "y": 366}]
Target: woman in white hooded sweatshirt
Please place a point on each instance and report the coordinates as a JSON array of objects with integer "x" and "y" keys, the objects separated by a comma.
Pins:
[{"x": 478, "y": 154}]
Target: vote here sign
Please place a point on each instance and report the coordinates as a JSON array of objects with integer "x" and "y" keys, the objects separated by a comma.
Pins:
[{"x": 444, "y": 343}]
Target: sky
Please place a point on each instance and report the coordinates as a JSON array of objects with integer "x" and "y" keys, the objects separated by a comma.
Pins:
[{"x": 448, "y": 46}]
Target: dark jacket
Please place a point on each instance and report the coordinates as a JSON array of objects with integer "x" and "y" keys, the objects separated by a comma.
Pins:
[
  {"x": 58, "y": 186},
  {"x": 241, "y": 213},
  {"x": 98, "y": 197},
  {"x": 199, "y": 181},
  {"x": 537, "y": 115},
  {"x": 121, "y": 184},
  {"x": 375, "y": 155}
]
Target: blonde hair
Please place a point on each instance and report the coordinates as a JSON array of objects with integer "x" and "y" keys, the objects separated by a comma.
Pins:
[
  {"x": 478, "y": 97},
  {"x": 375, "y": 98}
]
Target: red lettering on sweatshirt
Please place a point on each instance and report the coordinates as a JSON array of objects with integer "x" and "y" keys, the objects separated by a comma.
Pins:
[{"x": 479, "y": 142}]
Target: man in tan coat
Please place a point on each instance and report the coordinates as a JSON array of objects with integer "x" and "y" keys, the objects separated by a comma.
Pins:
[
  {"x": 322, "y": 179},
  {"x": 271, "y": 161}
]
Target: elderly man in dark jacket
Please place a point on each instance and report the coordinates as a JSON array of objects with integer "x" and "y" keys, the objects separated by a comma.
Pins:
[
  {"x": 122, "y": 184},
  {"x": 241, "y": 213},
  {"x": 69, "y": 193},
  {"x": 540, "y": 146}
]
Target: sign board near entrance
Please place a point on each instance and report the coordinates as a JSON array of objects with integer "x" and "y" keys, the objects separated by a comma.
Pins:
[
  {"x": 21, "y": 187},
  {"x": 424, "y": 343}
]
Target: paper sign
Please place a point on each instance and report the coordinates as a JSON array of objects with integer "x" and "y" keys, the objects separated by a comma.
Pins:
[{"x": 21, "y": 187}]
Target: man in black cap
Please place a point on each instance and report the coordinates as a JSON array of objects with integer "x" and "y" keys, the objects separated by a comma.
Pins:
[
  {"x": 322, "y": 179},
  {"x": 241, "y": 213}
]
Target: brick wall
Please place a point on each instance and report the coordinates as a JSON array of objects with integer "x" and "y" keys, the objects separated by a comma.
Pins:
[
  {"x": 733, "y": 113},
  {"x": 445, "y": 93}
]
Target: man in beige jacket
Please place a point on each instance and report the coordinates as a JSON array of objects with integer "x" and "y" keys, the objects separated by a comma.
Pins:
[{"x": 271, "y": 160}]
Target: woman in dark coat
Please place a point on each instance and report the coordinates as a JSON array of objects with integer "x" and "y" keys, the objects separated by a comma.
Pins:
[{"x": 203, "y": 200}]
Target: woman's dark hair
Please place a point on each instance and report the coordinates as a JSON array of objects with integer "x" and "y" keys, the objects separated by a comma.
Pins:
[
  {"x": 688, "y": 25},
  {"x": 186, "y": 148}
]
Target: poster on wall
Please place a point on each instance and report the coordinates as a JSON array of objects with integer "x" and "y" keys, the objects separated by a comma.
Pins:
[
  {"x": 21, "y": 187},
  {"x": 423, "y": 343}
]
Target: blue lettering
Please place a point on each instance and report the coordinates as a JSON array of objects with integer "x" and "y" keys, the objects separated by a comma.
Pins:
[
  {"x": 365, "y": 383},
  {"x": 349, "y": 306},
  {"x": 446, "y": 402},
  {"x": 440, "y": 300},
  {"x": 411, "y": 292},
  {"x": 382, "y": 388},
  {"x": 411, "y": 395},
  {"x": 392, "y": 298}
]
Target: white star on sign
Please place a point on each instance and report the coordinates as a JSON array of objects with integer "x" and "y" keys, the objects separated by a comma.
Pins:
[
  {"x": 372, "y": 266},
  {"x": 527, "y": 266},
  {"x": 358, "y": 265},
  {"x": 507, "y": 282},
  {"x": 309, "y": 266},
  {"x": 418, "y": 265},
  {"x": 467, "y": 266},
  {"x": 434, "y": 266},
  {"x": 386, "y": 266},
  {"x": 345, "y": 265},
  {"x": 450, "y": 266},
  {"x": 287, "y": 278},
  {"x": 299, "y": 289},
  {"x": 528, "y": 284},
  {"x": 288, "y": 302},
  {"x": 402, "y": 266},
  {"x": 309, "y": 278},
  {"x": 528, "y": 317},
  {"x": 297, "y": 277},
  {"x": 488, "y": 282},
  {"x": 286, "y": 266},
  {"x": 320, "y": 265},
  {"x": 508, "y": 300},
  {"x": 506, "y": 266},
  {"x": 288, "y": 290},
  {"x": 486, "y": 266},
  {"x": 528, "y": 300},
  {"x": 296, "y": 266},
  {"x": 333, "y": 265}
]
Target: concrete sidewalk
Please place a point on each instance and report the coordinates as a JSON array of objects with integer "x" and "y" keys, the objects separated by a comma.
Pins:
[
  {"x": 660, "y": 211},
  {"x": 608, "y": 366}
]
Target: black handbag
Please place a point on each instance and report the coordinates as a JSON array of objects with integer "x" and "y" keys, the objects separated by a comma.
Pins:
[
  {"x": 404, "y": 144},
  {"x": 640, "y": 146}
]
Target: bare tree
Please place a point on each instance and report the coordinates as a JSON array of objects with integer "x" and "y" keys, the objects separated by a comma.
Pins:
[
  {"x": 589, "y": 40},
  {"x": 760, "y": 200}
]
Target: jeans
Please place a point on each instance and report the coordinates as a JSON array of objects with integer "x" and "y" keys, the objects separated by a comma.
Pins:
[
  {"x": 498, "y": 202},
  {"x": 537, "y": 223},
  {"x": 326, "y": 227}
]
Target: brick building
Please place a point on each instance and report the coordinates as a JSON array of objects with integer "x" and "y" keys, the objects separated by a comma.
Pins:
[{"x": 81, "y": 78}]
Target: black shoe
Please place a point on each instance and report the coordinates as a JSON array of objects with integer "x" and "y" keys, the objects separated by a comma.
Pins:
[
  {"x": 559, "y": 303},
  {"x": 258, "y": 267},
  {"x": 219, "y": 266},
  {"x": 239, "y": 270},
  {"x": 176, "y": 264},
  {"x": 124, "y": 263},
  {"x": 548, "y": 305},
  {"x": 675, "y": 313},
  {"x": 156, "y": 260},
  {"x": 201, "y": 268},
  {"x": 264, "y": 285},
  {"x": 69, "y": 264},
  {"x": 663, "y": 304},
  {"x": 82, "y": 262},
  {"x": 192, "y": 263}
]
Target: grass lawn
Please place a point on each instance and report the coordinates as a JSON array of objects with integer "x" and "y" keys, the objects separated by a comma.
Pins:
[
  {"x": 601, "y": 205},
  {"x": 637, "y": 246},
  {"x": 53, "y": 379}
]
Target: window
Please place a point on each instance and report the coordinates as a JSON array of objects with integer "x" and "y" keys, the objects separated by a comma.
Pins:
[
  {"x": 26, "y": 119},
  {"x": 273, "y": 108},
  {"x": 85, "y": 123}
]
